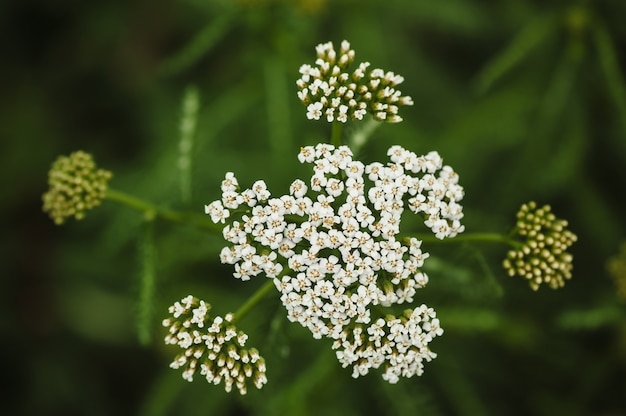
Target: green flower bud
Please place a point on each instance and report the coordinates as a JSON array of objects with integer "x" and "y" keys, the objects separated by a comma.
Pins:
[
  {"x": 542, "y": 258},
  {"x": 76, "y": 186}
]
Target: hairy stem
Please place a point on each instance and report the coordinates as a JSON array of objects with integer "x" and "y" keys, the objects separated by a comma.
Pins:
[
  {"x": 152, "y": 211},
  {"x": 147, "y": 254}
]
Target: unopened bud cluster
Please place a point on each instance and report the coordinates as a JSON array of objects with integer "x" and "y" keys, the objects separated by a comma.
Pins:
[
  {"x": 213, "y": 346},
  {"x": 617, "y": 269},
  {"x": 543, "y": 256},
  {"x": 75, "y": 187},
  {"x": 330, "y": 91},
  {"x": 331, "y": 245}
]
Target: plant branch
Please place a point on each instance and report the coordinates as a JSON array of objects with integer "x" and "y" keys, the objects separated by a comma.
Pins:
[
  {"x": 471, "y": 237},
  {"x": 335, "y": 138},
  {"x": 152, "y": 211},
  {"x": 254, "y": 299}
]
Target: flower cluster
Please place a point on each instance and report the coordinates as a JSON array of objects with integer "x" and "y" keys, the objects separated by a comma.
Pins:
[
  {"x": 401, "y": 343},
  {"x": 330, "y": 91},
  {"x": 335, "y": 256},
  {"x": 543, "y": 256},
  {"x": 212, "y": 344},
  {"x": 76, "y": 186}
]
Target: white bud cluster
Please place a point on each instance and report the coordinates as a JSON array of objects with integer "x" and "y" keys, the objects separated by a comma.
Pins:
[
  {"x": 213, "y": 345},
  {"x": 330, "y": 91},
  {"x": 335, "y": 255},
  {"x": 399, "y": 343}
]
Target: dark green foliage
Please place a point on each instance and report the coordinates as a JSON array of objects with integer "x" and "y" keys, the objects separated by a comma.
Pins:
[{"x": 526, "y": 100}]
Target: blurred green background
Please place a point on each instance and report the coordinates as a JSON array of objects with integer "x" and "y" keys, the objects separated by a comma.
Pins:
[{"x": 525, "y": 99}]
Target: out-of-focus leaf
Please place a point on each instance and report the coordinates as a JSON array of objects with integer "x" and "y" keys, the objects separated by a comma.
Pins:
[
  {"x": 531, "y": 36},
  {"x": 545, "y": 139},
  {"x": 457, "y": 15},
  {"x": 162, "y": 395},
  {"x": 498, "y": 121},
  {"x": 278, "y": 108},
  {"x": 461, "y": 394},
  {"x": 296, "y": 397},
  {"x": 602, "y": 316},
  {"x": 199, "y": 46},
  {"x": 461, "y": 279},
  {"x": 188, "y": 121},
  {"x": 407, "y": 398},
  {"x": 612, "y": 71},
  {"x": 147, "y": 282},
  {"x": 567, "y": 154},
  {"x": 469, "y": 319},
  {"x": 82, "y": 309}
]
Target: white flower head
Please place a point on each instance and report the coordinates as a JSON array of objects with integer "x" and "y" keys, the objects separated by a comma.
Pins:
[
  {"x": 330, "y": 91},
  {"x": 213, "y": 346},
  {"x": 332, "y": 248}
]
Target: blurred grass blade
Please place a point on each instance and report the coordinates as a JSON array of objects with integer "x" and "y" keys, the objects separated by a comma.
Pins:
[
  {"x": 558, "y": 94},
  {"x": 572, "y": 148},
  {"x": 199, "y": 46},
  {"x": 532, "y": 35},
  {"x": 547, "y": 138},
  {"x": 470, "y": 320},
  {"x": 602, "y": 316},
  {"x": 613, "y": 73},
  {"x": 276, "y": 339},
  {"x": 457, "y": 16},
  {"x": 407, "y": 399},
  {"x": 277, "y": 105},
  {"x": 189, "y": 117},
  {"x": 232, "y": 105},
  {"x": 146, "y": 282},
  {"x": 160, "y": 399},
  {"x": 295, "y": 398},
  {"x": 460, "y": 392},
  {"x": 491, "y": 283}
]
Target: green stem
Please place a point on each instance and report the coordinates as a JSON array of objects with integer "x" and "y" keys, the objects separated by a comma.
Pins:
[
  {"x": 335, "y": 138},
  {"x": 472, "y": 237},
  {"x": 361, "y": 136},
  {"x": 152, "y": 211},
  {"x": 130, "y": 201},
  {"x": 254, "y": 299}
]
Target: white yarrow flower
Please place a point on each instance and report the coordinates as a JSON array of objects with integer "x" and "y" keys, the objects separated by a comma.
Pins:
[{"x": 332, "y": 250}]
